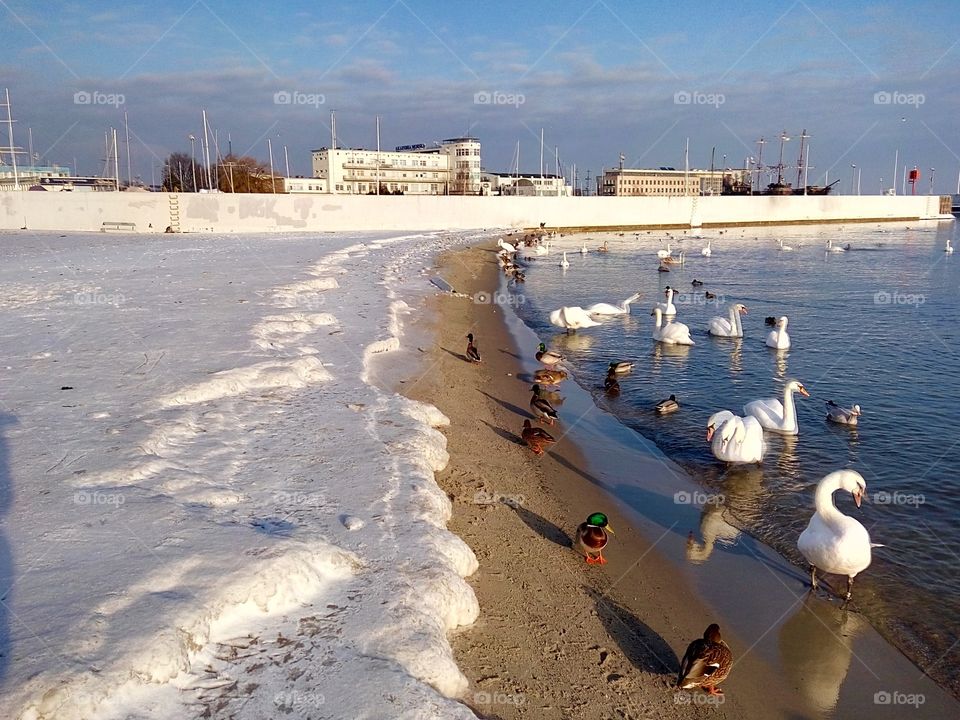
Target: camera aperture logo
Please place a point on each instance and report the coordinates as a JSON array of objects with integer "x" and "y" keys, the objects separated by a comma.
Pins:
[
  {"x": 295, "y": 97},
  {"x": 683, "y": 497},
  {"x": 695, "y": 97},
  {"x": 884, "y": 697},
  {"x": 883, "y": 297},
  {"x": 498, "y": 298},
  {"x": 86, "y": 497},
  {"x": 95, "y": 97},
  {"x": 496, "y": 97}
]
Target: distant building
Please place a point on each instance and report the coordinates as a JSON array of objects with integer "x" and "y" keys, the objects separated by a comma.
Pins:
[
  {"x": 451, "y": 167},
  {"x": 667, "y": 181},
  {"x": 304, "y": 185},
  {"x": 532, "y": 185},
  {"x": 30, "y": 175}
]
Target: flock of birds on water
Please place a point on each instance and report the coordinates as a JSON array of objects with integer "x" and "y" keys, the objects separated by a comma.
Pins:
[{"x": 832, "y": 542}]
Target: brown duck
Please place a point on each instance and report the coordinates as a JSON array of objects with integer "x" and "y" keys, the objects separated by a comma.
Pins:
[
  {"x": 706, "y": 663},
  {"x": 536, "y": 438}
]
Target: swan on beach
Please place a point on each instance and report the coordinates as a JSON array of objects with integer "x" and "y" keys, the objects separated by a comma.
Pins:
[
  {"x": 564, "y": 263},
  {"x": 707, "y": 251},
  {"x": 775, "y": 415},
  {"x": 674, "y": 333},
  {"x": 779, "y": 339},
  {"x": 842, "y": 415},
  {"x": 722, "y": 327},
  {"x": 831, "y": 248},
  {"x": 833, "y": 542},
  {"x": 506, "y": 246},
  {"x": 663, "y": 254},
  {"x": 668, "y": 308},
  {"x": 735, "y": 439},
  {"x": 608, "y": 309},
  {"x": 572, "y": 318}
]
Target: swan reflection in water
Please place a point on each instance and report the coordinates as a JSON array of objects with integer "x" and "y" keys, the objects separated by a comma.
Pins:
[
  {"x": 674, "y": 355},
  {"x": 736, "y": 356},
  {"x": 740, "y": 489},
  {"x": 816, "y": 648},
  {"x": 575, "y": 342},
  {"x": 781, "y": 358}
]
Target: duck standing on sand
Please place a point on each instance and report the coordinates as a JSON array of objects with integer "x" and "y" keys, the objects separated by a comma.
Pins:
[
  {"x": 548, "y": 357},
  {"x": 706, "y": 663},
  {"x": 473, "y": 355},
  {"x": 536, "y": 438},
  {"x": 549, "y": 377},
  {"x": 541, "y": 407},
  {"x": 592, "y": 538}
]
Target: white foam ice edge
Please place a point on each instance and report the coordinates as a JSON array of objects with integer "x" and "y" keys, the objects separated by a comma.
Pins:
[{"x": 348, "y": 613}]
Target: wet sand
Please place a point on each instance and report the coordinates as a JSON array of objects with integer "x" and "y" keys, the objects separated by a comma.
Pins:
[{"x": 560, "y": 639}]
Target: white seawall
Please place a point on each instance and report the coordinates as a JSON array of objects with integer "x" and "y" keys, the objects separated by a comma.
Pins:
[{"x": 193, "y": 212}]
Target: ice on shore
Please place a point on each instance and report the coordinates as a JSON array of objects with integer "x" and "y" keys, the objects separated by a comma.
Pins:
[{"x": 225, "y": 516}]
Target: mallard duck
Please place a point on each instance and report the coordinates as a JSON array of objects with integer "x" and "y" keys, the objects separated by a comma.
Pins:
[
  {"x": 706, "y": 663},
  {"x": 549, "y": 376},
  {"x": 842, "y": 415},
  {"x": 665, "y": 407},
  {"x": 541, "y": 407},
  {"x": 620, "y": 367},
  {"x": 548, "y": 357},
  {"x": 592, "y": 538},
  {"x": 473, "y": 355},
  {"x": 611, "y": 384},
  {"x": 536, "y": 438},
  {"x": 709, "y": 295},
  {"x": 663, "y": 268},
  {"x": 697, "y": 283},
  {"x": 770, "y": 320}
]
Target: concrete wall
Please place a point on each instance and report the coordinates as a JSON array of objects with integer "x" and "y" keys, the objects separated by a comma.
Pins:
[{"x": 190, "y": 212}]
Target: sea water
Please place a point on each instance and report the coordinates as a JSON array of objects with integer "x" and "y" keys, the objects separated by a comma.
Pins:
[{"x": 875, "y": 326}]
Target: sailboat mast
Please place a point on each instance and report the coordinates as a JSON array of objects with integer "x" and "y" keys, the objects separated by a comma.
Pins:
[{"x": 13, "y": 150}]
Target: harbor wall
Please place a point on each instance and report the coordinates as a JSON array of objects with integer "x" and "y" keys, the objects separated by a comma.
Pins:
[{"x": 229, "y": 213}]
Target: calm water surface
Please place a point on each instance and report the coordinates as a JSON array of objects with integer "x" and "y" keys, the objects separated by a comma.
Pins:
[{"x": 877, "y": 326}]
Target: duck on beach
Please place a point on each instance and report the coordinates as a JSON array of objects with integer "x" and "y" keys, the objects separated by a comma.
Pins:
[
  {"x": 536, "y": 438},
  {"x": 833, "y": 542},
  {"x": 591, "y": 538},
  {"x": 548, "y": 357},
  {"x": 549, "y": 376},
  {"x": 706, "y": 663},
  {"x": 541, "y": 407},
  {"x": 473, "y": 355}
]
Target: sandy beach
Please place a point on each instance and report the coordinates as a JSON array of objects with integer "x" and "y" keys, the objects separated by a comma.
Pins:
[{"x": 558, "y": 638}]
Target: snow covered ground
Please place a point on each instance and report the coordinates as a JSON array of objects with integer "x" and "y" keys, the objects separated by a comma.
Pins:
[{"x": 208, "y": 507}]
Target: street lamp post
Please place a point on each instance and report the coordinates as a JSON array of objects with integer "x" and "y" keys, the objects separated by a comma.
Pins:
[
  {"x": 932, "y": 172},
  {"x": 853, "y": 177},
  {"x": 193, "y": 161}
]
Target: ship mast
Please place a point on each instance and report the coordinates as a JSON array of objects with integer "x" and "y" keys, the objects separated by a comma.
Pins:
[
  {"x": 11, "y": 148},
  {"x": 801, "y": 163}
]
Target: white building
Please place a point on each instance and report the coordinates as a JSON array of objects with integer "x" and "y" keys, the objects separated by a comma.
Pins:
[
  {"x": 667, "y": 181},
  {"x": 532, "y": 185},
  {"x": 451, "y": 167},
  {"x": 304, "y": 185}
]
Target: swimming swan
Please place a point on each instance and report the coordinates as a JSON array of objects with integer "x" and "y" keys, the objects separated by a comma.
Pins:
[
  {"x": 778, "y": 416},
  {"x": 734, "y": 439},
  {"x": 671, "y": 334},
  {"x": 722, "y": 327},
  {"x": 608, "y": 309},
  {"x": 572, "y": 318},
  {"x": 779, "y": 339}
]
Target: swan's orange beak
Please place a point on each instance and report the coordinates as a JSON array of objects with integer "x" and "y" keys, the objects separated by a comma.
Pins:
[
  {"x": 858, "y": 496},
  {"x": 743, "y": 310},
  {"x": 710, "y": 431},
  {"x": 803, "y": 391}
]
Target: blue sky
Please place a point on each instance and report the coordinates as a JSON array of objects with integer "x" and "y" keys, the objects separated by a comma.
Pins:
[{"x": 600, "y": 77}]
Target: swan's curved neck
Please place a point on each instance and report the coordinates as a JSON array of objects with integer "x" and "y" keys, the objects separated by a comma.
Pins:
[
  {"x": 789, "y": 408},
  {"x": 823, "y": 500},
  {"x": 659, "y": 316}
]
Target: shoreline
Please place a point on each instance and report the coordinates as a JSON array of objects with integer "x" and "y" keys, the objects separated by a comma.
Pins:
[{"x": 613, "y": 635}]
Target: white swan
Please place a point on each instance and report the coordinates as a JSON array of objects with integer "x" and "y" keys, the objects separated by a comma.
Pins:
[
  {"x": 734, "y": 439},
  {"x": 831, "y": 248},
  {"x": 542, "y": 248},
  {"x": 608, "y": 309},
  {"x": 786, "y": 248},
  {"x": 671, "y": 334},
  {"x": 664, "y": 253},
  {"x": 722, "y": 327},
  {"x": 506, "y": 246},
  {"x": 707, "y": 251},
  {"x": 834, "y": 542},
  {"x": 583, "y": 249},
  {"x": 572, "y": 318},
  {"x": 778, "y": 416},
  {"x": 564, "y": 263},
  {"x": 668, "y": 308},
  {"x": 948, "y": 249},
  {"x": 778, "y": 338}
]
